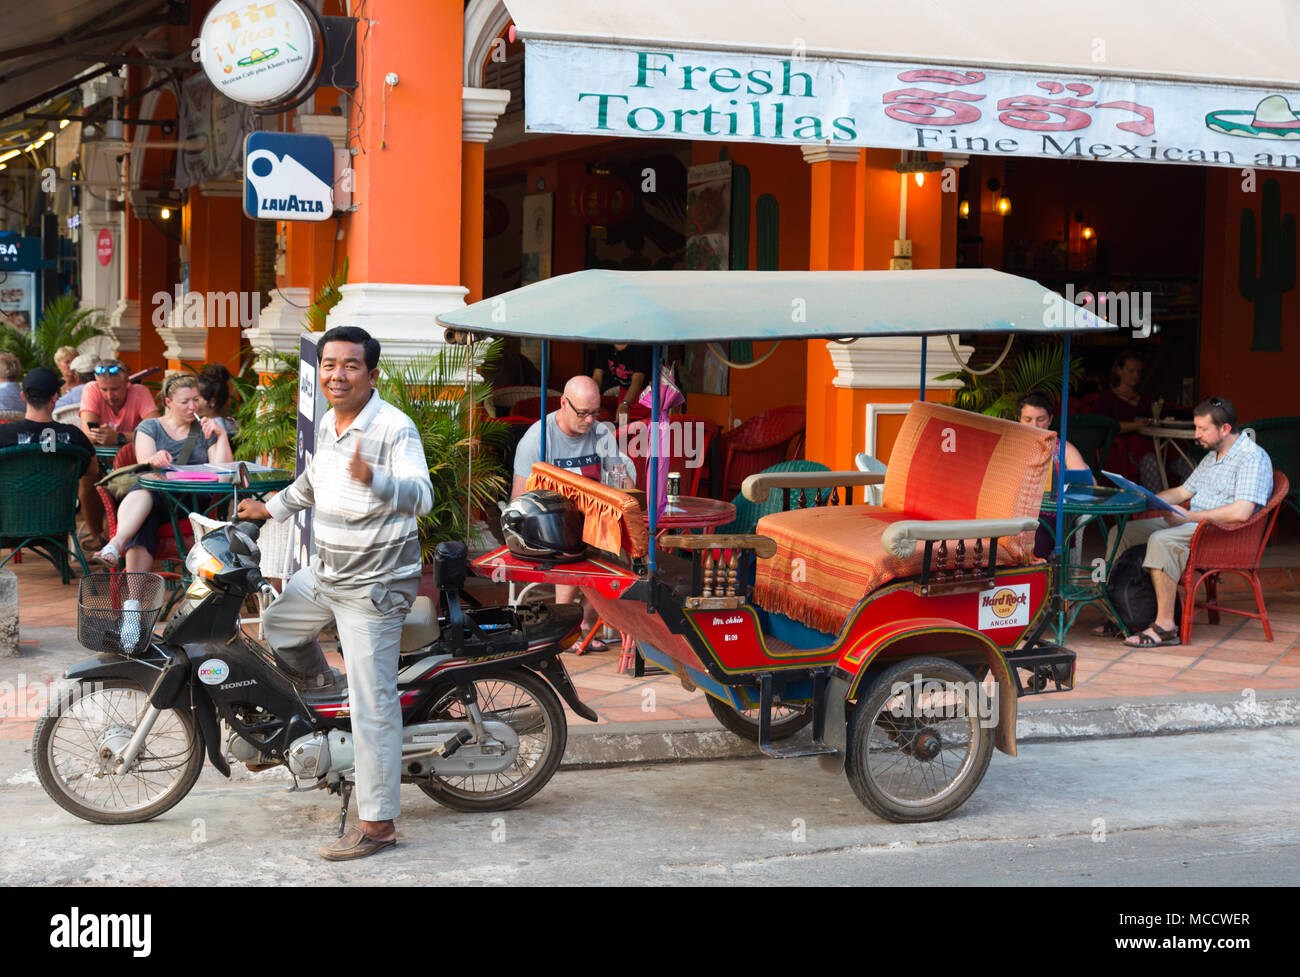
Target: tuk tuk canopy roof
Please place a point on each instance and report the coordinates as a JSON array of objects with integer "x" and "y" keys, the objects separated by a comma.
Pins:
[{"x": 716, "y": 306}]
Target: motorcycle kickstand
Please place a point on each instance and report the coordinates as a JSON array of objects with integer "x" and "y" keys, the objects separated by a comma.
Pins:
[{"x": 345, "y": 788}]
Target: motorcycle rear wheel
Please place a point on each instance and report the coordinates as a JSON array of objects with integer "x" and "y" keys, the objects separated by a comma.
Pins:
[
  {"x": 79, "y": 732},
  {"x": 527, "y": 703}
]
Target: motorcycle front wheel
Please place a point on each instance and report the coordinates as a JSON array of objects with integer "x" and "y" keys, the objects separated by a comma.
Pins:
[
  {"x": 525, "y": 702},
  {"x": 81, "y": 733}
]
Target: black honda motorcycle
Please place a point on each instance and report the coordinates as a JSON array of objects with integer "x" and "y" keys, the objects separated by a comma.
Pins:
[{"x": 482, "y": 726}]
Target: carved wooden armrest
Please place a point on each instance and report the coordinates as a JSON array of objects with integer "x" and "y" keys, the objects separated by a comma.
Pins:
[
  {"x": 764, "y": 546},
  {"x": 758, "y": 487},
  {"x": 720, "y": 582},
  {"x": 942, "y": 570}
]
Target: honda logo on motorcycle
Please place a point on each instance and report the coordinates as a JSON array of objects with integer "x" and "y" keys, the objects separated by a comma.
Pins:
[
  {"x": 1004, "y": 607},
  {"x": 213, "y": 672}
]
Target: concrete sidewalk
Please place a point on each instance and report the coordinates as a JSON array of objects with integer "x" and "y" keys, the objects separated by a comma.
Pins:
[
  {"x": 1229, "y": 677},
  {"x": 633, "y": 735}
]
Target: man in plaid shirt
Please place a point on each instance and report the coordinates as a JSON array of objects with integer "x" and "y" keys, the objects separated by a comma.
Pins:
[
  {"x": 367, "y": 483},
  {"x": 1232, "y": 482}
]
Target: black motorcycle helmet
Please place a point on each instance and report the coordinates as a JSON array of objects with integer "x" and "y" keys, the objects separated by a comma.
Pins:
[{"x": 543, "y": 527}]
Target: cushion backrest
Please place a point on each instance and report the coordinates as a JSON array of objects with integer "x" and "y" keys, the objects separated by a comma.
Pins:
[
  {"x": 954, "y": 464},
  {"x": 613, "y": 520}
]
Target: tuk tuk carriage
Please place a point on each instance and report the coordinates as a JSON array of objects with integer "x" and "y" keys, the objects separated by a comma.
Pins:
[{"x": 903, "y": 633}]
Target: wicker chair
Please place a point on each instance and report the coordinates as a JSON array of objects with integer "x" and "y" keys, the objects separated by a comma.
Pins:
[
  {"x": 1280, "y": 437},
  {"x": 9, "y": 416},
  {"x": 505, "y": 398},
  {"x": 1217, "y": 548},
  {"x": 762, "y": 441},
  {"x": 167, "y": 549},
  {"x": 636, "y": 433},
  {"x": 38, "y": 502},
  {"x": 748, "y": 513},
  {"x": 67, "y": 414}
]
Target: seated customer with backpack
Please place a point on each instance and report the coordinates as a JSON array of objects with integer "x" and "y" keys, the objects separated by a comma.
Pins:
[{"x": 1233, "y": 481}]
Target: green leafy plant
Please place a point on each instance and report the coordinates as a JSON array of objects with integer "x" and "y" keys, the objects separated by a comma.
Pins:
[
  {"x": 267, "y": 413},
  {"x": 465, "y": 466},
  {"x": 60, "y": 324},
  {"x": 995, "y": 393}
]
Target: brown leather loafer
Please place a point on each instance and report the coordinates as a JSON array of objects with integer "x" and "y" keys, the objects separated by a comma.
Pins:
[{"x": 354, "y": 844}]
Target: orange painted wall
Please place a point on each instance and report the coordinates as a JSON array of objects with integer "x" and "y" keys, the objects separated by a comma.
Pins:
[
  {"x": 1260, "y": 384},
  {"x": 414, "y": 183},
  {"x": 781, "y": 172}
]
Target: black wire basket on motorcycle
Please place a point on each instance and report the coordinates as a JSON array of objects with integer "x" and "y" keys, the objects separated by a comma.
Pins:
[{"x": 116, "y": 612}]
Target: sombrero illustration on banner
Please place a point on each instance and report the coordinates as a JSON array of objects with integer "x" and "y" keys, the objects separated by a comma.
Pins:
[
  {"x": 257, "y": 56},
  {"x": 1272, "y": 119}
]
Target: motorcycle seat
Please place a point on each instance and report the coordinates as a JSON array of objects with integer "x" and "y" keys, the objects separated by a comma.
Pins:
[{"x": 421, "y": 625}]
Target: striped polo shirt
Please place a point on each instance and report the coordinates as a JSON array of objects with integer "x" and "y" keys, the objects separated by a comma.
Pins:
[{"x": 364, "y": 534}]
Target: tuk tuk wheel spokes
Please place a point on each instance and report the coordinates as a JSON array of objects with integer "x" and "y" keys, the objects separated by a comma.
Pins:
[{"x": 919, "y": 742}]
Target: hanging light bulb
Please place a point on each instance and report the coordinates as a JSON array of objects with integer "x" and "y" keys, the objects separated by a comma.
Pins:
[
  {"x": 964, "y": 209},
  {"x": 1087, "y": 233},
  {"x": 166, "y": 213},
  {"x": 920, "y": 178},
  {"x": 1004, "y": 205}
]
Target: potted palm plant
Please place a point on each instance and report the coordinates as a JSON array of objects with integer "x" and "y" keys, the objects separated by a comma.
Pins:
[
  {"x": 60, "y": 324},
  {"x": 995, "y": 393}
]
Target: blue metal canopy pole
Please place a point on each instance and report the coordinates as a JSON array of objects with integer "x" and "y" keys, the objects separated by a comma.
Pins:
[
  {"x": 546, "y": 366},
  {"x": 652, "y": 466},
  {"x": 925, "y": 342},
  {"x": 1060, "y": 489}
]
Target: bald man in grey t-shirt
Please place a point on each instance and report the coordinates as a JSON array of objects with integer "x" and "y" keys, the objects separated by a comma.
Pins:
[{"x": 575, "y": 441}]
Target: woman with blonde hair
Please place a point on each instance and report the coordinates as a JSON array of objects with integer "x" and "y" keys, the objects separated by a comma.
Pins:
[
  {"x": 63, "y": 357},
  {"x": 177, "y": 437},
  {"x": 11, "y": 372}
]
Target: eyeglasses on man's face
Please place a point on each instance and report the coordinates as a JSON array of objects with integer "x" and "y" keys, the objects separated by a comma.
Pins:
[
  {"x": 112, "y": 368},
  {"x": 584, "y": 414}
]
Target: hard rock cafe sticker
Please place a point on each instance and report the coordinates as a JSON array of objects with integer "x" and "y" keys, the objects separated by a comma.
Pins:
[{"x": 1004, "y": 607}]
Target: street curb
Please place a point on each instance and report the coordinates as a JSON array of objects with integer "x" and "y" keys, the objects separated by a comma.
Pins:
[{"x": 609, "y": 744}]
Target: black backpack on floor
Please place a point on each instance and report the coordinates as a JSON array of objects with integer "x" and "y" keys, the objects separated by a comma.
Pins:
[{"x": 1133, "y": 594}]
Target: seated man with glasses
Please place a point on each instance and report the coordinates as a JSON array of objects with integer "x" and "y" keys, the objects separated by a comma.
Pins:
[
  {"x": 1232, "y": 482},
  {"x": 112, "y": 407},
  {"x": 575, "y": 441}
]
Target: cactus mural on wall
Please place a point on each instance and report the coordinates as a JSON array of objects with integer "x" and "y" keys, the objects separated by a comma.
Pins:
[{"x": 1265, "y": 281}]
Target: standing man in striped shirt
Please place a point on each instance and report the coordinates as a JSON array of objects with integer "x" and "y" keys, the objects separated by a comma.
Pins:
[{"x": 367, "y": 482}]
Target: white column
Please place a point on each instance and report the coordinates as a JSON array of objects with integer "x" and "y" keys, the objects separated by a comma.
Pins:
[
  {"x": 893, "y": 363},
  {"x": 400, "y": 316},
  {"x": 124, "y": 326},
  {"x": 480, "y": 109},
  {"x": 281, "y": 324}
]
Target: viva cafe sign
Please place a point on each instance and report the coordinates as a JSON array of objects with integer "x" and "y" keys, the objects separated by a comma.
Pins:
[{"x": 694, "y": 94}]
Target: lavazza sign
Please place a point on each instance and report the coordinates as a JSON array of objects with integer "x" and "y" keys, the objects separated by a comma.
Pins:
[{"x": 695, "y": 94}]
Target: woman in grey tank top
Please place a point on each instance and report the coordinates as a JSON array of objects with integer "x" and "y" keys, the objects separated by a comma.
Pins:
[{"x": 160, "y": 442}]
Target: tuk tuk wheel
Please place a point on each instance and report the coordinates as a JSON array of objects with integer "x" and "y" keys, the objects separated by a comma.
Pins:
[
  {"x": 786, "y": 720},
  {"x": 917, "y": 745}
]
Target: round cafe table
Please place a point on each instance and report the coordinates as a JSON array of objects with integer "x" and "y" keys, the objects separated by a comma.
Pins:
[
  {"x": 695, "y": 512},
  {"x": 186, "y": 496},
  {"x": 1166, "y": 433},
  {"x": 1084, "y": 584},
  {"x": 106, "y": 453}
]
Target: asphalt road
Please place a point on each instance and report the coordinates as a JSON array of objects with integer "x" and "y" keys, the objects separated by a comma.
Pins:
[{"x": 1197, "y": 809}]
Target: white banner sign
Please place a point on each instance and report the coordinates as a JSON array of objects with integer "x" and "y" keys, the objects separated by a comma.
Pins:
[{"x": 688, "y": 94}]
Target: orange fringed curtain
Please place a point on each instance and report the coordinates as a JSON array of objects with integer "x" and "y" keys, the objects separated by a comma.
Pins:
[{"x": 612, "y": 520}]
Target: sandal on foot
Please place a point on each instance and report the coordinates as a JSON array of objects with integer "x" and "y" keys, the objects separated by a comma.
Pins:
[
  {"x": 1106, "y": 630},
  {"x": 109, "y": 556},
  {"x": 355, "y": 844},
  {"x": 1168, "y": 638},
  {"x": 594, "y": 646}
]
